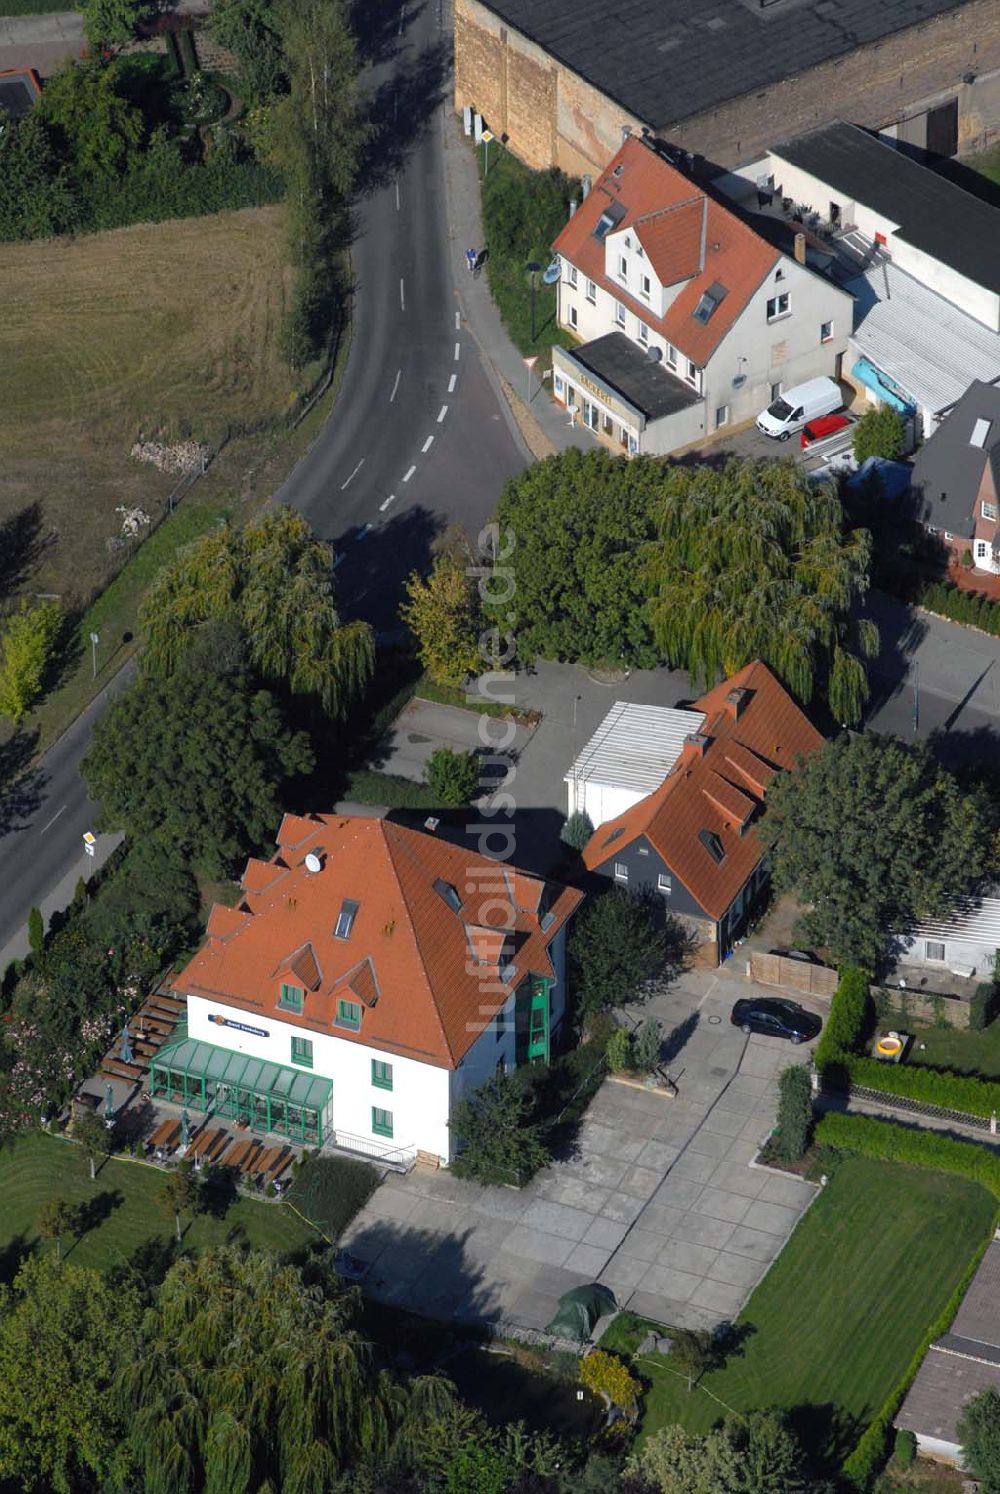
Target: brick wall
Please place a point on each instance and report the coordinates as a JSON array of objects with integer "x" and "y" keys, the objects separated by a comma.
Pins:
[{"x": 554, "y": 118}]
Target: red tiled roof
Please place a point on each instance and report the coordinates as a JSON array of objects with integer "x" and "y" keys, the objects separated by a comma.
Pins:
[
  {"x": 716, "y": 790},
  {"x": 687, "y": 236},
  {"x": 408, "y": 958}
]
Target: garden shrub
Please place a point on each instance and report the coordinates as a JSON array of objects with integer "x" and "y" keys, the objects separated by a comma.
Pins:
[
  {"x": 851, "y": 1012},
  {"x": 453, "y": 776},
  {"x": 929, "y": 1086},
  {"x": 647, "y": 1045},
  {"x": 577, "y": 830},
  {"x": 619, "y": 1050},
  {"x": 905, "y": 1448},
  {"x": 982, "y": 1007},
  {"x": 954, "y": 602},
  {"x": 888, "y": 1142},
  {"x": 604, "y": 1373},
  {"x": 794, "y": 1113}
]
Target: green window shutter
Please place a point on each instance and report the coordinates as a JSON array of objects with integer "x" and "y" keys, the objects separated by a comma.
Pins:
[
  {"x": 381, "y": 1074},
  {"x": 381, "y": 1121},
  {"x": 302, "y": 1052},
  {"x": 349, "y": 1014},
  {"x": 538, "y": 1022},
  {"x": 291, "y": 997}
]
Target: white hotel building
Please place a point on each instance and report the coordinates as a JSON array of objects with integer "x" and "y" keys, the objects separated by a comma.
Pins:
[{"x": 369, "y": 976}]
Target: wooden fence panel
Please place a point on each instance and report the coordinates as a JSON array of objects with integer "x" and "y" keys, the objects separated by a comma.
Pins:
[{"x": 794, "y": 975}]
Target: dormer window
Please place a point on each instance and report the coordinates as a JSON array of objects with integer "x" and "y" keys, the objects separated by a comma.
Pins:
[
  {"x": 291, "y": 998},
  {"x": 713, "y": 845},
  {"x": 345, "y": 919},
  {"x": 349, "y": 1015},
  {"x": 449, "y": 893},
  {"x": 709, "y": 301}
]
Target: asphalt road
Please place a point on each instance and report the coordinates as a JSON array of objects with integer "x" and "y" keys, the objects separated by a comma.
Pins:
[{"x": 418, "y": 438}]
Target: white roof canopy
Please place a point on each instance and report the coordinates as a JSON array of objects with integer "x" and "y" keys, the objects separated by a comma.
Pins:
[{"x": 635, "y": 747}]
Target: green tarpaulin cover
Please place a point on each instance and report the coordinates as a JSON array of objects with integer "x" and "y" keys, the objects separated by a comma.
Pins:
[{"x": 580, "y": 1309}]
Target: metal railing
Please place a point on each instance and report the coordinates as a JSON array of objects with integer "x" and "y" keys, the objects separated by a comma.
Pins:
[{"x": 397, "y": 1158}]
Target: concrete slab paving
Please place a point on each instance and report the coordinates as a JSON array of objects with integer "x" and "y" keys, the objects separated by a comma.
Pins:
[{"x": 657, "y": 1199}]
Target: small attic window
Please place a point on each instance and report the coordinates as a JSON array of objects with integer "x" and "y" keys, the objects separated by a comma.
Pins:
[
  {"x": 449, "y": 893},
  {"x": 710, "y": 300},
  {"x": 345, "y": 919},
  {"x": 713, "y": 845},
  {"x": 980, "y": 434},
  {"x": 605, "y": 224}
]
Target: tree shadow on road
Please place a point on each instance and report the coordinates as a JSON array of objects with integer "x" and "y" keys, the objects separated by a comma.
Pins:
[
  {"x": 373, "y": 563},
  {"x": 380, "y": 27},
  {"x": 400, "y": 113},
  {"x": 21, "y": 784}
]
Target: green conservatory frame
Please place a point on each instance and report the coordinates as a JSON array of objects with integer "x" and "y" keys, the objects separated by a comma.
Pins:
[{"x": 265, "y": 1096}]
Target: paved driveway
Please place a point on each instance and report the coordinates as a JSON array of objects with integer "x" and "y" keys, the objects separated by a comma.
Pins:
[
  {"x": 658, "y": 1200},
  {"x": 423, "y": 726}
]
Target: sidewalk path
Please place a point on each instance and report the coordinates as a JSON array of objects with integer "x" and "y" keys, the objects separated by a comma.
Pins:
[{"x": 465, "y": 228}]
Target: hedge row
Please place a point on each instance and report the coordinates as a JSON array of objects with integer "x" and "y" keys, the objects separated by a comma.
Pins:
[
  {"x": 872, "y": 1450},
  {"x": 930, "y": 1086},
  {"x": 850, "y": 1015},
  {"x": 888, "y": 1142},
  {"x": 970, "y": 607}
]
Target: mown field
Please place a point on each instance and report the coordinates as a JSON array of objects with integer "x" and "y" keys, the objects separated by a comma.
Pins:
[
  {"x": 165, "y": 329},
  {"x": 123, "y": 1207},
  {"x": 836, "y": 1321}
]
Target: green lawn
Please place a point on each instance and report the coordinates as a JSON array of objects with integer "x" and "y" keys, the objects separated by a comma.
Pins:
[
  {"x": 125, "y": 1205},
  {"x": 836, "y": 1321},
  {"x": 963, "y": 1052}
]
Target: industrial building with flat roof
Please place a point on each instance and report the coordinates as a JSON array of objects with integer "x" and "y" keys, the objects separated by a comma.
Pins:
[{"x": 721, "y": 78}]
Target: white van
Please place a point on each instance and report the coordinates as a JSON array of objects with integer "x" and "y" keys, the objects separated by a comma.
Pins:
[{"x": 796, "y": 407}]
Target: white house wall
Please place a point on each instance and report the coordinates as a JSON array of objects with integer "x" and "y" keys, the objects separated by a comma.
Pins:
[
  {"x": 787, "y": 351},
  {"x": 599, "y": 801},
  {"x": 957, "y": 952},
  {"x": 418, "y": 1099},
  {"x": 811, "y": 192}
]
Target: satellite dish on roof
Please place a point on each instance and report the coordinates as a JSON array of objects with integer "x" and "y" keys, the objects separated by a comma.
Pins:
[
  {"x": 654, "y": 354},
  {"x": 313, "y": 863},
  {"x": 552, "y": 272}
]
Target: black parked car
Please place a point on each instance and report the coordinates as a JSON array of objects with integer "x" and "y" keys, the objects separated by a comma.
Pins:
[{"x": 776, "y": 1018}]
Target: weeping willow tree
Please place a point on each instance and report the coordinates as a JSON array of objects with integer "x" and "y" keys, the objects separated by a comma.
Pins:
[
  {"x": 250, "y": 1378},
  {"x": 752, "y": 562},
  {"x": 272, "y": 581}
]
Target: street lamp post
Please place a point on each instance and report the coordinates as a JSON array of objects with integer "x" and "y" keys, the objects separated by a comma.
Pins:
[
  {"x": 94, "y": 641},
  {"x": 533, "y": 268}
]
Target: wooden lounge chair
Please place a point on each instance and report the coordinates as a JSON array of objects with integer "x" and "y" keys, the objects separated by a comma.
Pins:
[
  {"x": 113, "y": 1068},
  {"x": 165, "y": 1138},
  {"x": 238, "y": 1154},
  {"x": 281, "y": 1163},
  {"x": 249, "y": 1164}
]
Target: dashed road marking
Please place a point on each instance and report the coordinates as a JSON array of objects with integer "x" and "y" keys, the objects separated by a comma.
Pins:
[
  {"x": 395, "y": 385},
  {"x": 353, "y": 475},
  {"x": 427, "y": 444},
  {"x": 383, "y": 506},
  {"x": 444, "y": 411},
  {"x": 410, "y": 473},
  {"x": 451, "y": 383},
  {"x": 458, "y": 349}
]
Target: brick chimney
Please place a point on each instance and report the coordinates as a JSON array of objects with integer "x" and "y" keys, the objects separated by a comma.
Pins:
[
  {"x": 800, "y": 249},
  {"x": 693, "y": 746},
  {"x": 737, "y": 701}
]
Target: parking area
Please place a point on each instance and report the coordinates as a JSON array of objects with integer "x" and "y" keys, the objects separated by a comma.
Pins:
[
  {"x": 658, "y": 1198},
  {"x": 423, "y": 726}
]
